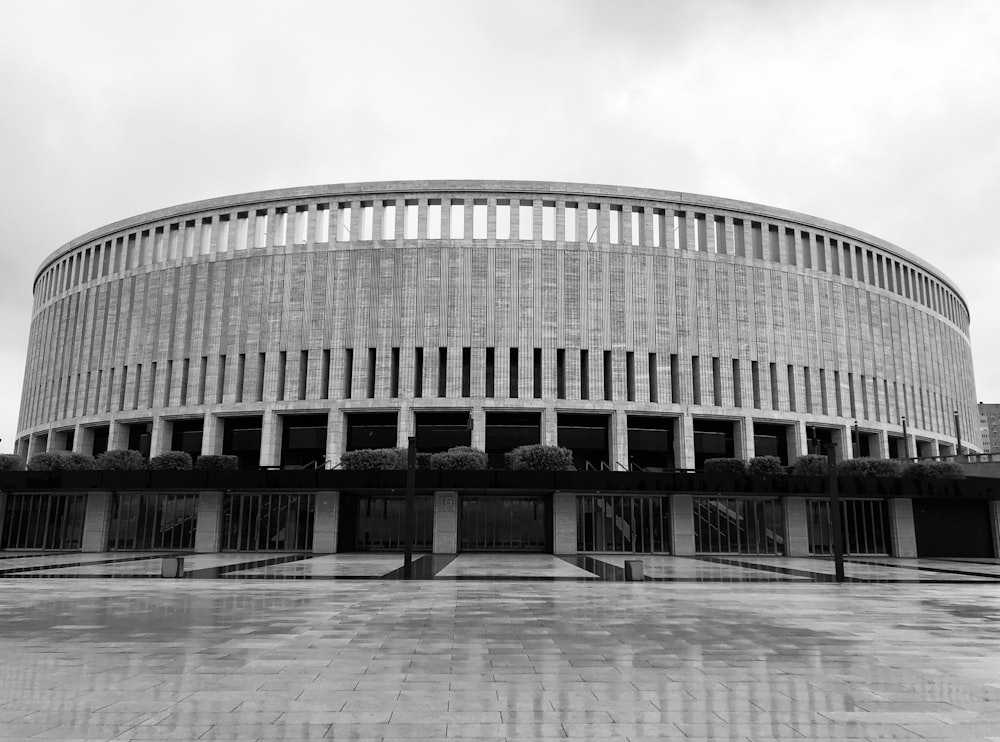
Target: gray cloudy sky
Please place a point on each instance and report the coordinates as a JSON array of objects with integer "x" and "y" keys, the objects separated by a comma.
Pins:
[{"x": 881, "y": 115}]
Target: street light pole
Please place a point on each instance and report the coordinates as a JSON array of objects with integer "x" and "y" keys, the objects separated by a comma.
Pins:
[
  {"x": 838, "y": 536},
  {"x": 906, "y": 443},
  {"x": 411, "y": 476},
  {"x": 857, "y": 441},
  {"x": 958, "y": 435}
]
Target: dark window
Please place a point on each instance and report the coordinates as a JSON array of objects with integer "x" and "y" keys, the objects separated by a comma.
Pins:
[
  {"x": 303, "y": 441},
  {"x": 651, "y": 442},
  {"x": 439, "y": 431},
  {"x": 587, "y": 437},
  {"x": 506, "y": 431},
  {"x": 371, "y": 430}
]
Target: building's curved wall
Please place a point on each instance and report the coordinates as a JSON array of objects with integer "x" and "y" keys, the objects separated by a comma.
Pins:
[{"x": 752, "y": 314}]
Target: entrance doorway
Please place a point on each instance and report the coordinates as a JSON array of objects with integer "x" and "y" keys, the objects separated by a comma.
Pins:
[{"x": 505, "y": 523}]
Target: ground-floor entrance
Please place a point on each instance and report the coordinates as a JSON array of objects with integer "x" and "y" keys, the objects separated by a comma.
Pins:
[{"x": 504, "y": 523}]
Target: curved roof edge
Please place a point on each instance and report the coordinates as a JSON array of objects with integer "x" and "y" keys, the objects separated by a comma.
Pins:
[{"x": 528, "y": 187}]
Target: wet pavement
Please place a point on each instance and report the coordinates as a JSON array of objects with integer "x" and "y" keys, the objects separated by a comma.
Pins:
[{"x": 497, "y": 647}]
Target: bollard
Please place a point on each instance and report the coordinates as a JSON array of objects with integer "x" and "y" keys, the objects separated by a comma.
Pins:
[
  {"x": 172, "y": 567},
  {"x": 633, "y": 570}
]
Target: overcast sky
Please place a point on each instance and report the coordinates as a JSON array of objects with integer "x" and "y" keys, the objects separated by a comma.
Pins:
[{"x": 884, "y": 116}]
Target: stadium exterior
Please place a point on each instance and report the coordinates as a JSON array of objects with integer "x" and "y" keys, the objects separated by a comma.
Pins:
[{"x": 646, "y": 330}]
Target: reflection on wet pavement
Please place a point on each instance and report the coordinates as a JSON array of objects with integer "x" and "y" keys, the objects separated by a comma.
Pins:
[{"x": 258, "y": 659}]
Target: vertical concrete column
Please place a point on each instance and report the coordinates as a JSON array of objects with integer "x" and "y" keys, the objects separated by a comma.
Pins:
[
  {"x": 212, "y": 433},
  {"x": 881, "y": 448},
  {"x": 478, "y": 428},
  {"x": 841, "y": 435},
  {"x": 159, "y": 439},
  {"x": 336, "y": 433},
  {"x": 745, "y": 448},
  {"x": 38, "y": 444},
  {"x": 326, "y": 522},
  {"x": 270, "y": 439},
  {"x": 619, "y": 441},
  {"x": 209, "y": 525},
  {"x": 405, "y": 425},
  {"x": 994, "y": 525},
  {"x": 798, "y": 444},
  {"x": 796, "y": 527},
  {"x": 117, "y": 436},
  {"x": 445, "y": 522},
  {"x": 564, "y": 537},
  {"x": 901, "y": 528},
  {"x": 83, "y": 439},
  {"x": 684, "y": 442},
  {"x": 682, "y": 524},
  {"x": 550, "y": 427},
  {"x": 95, "y": 522}
]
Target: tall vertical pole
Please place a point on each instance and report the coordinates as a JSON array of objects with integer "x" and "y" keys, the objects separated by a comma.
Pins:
[
  {"x": 857, "y": 441},
  {"x": 838, "y": 536},
  {"x": 411, "y": 477},
  {"x": 906, "y": 443},
  {"x": 958, "y": 435}
]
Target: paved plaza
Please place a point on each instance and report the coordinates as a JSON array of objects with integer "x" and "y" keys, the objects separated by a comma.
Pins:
[{"x": 248, "y": 647}]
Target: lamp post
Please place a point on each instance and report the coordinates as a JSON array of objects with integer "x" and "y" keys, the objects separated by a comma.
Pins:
[
  {"x": 906, "y": 443},
  {"x": 958, "y": 435},
  {"x": 838, "y": 536},
  {"x": 857, "y": 441},
  {"x": 411, "y": 476}
]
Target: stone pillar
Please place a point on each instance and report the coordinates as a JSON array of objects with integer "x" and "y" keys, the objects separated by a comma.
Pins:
[
  {"x": 326, "y": 523},
  {"x": 798, "y": 443},
  {"x": 994, "y": 526},
  {"x": 796, "y": 527},
  {"x": 619, "y": 442},
  {"x": 901, "y": 529},
  {"x": 478, "y": 428},
  {"x": 117, "y": 436},
  {"x": 550, "y": 427},
  {"x": 270, "y": 439},
  {"x": 682, "y": 524},
  {"x": 881, "y": 448},
  {"x": 445, "y": 522},
  {"x": 684, "y": 443},
  {"x": 159, "y": 437},
  {"x": 404, "y": 426},
  {"x": 95, "y": 522},
  {"x": 209, "y": 525},
  {"x": 83, "y": 440},
  {"x": 212, "y": 435},
  {"x": 745, "y": 448},
  {"x": 564, "y": 537},
  {"x": 39, "y": 442}
]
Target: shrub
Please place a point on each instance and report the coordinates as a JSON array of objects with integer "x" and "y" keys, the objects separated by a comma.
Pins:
[
  {"x": 540, "y": 458},
  {"x": 934, "y": 469},
  {"x": 866, "y": 467},
  {"x": 122, "y": 460},
  {"x": 176, "y": 460},
  {"x": 61, "y": 461},
  {"x": 423, "y": 460},
  {"x": 764, "y": 465},
  {"x": 459, "y": 458},
  {"x": 11, "y": 462},
  {"x": 810, "y": 465},
  {"x": 216, "y": 462},
  {"x": 374, "y": 458},
  {"x": 725, "y": 466}
]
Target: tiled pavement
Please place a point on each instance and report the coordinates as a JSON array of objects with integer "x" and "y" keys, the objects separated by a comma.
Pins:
[{"x": 498, "y": 648}]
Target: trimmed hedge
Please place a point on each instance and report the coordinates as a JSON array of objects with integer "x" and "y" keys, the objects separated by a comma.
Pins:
[
  {"x": 459, "y": 458},
  {"x": 11, "y": 462},
  {"x": 725, "y": 466},
  {"x": 61, "y": 461},
  {"x": 174, "y": 460},
  {"x": 934, "y": 470},
  {"x": 216, "y": 462},
  {"x": 764, "y": 466},
  {"x": 122, "y": 460},
  {"x": 374, "y": 458},
  {"x": 867, "y": 467},
  {"x": 810, "y": 465},
  {"x": 537, "y": 457}
]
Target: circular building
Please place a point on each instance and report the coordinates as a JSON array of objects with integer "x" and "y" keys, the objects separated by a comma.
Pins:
[{"x": 643, "y": 329}]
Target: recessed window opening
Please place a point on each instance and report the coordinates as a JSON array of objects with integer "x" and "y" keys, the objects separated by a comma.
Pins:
[
  {"x": 442, "y": 390},
  {"x": 548, "y": 220},
  {"x": 834, "y": 258},
  {"x": 456, "y": 225},
  {"x": 174, "y": 242},
  {"x": 480, "y": 216},
  {"x": 757, "y": 240},
  {"x": 348, "y": 372},
  {"x": 653, "y": 381},
  {"x": 820, "y": 254},
  {"x": 838, "y": 394},
  {"x": 659, "y": 227},
  {"x": 773, "y": 368},
  {"x": 807, "y": 253},
  {"x": 490, "y": 372},
  {"x": 875, "y": 400},
  {"x": 241, "y": 371},
  {"x": 370, "y": 381},
  {"x": 774, "y": 244},
  {"x": 807, "y": 381},
  {"x": 592, "y": 223},
  {"x": 418, "y": 372},
  {"x": 864, "y": 397},
  {"x": 367, "y": 220},
  {"x": 824, "y": 407},
  {"x": 700, "y": 233},
  {"x": 790, "y": 246},
  {"x": 512, "y": 369},
  {"x": 630, "y": 376},
  {"x": 859, "y": 263},
  {"x": 675, "y": 379},
  {"x": 850, "y": 387},
  {"x": 737, "y": 384},
  {"x": 166, "y": 383},
  {"x": 739, "y": 238},
  {"x": 204, "y": 240},
  {"x": 525, "y": 224},
  {"x": 608, "y": 377},
  {"x": 696, "y": 379},
  {"x": 615, "y": 225},
  {"x": 161, "y": 246},
  {"x": 466, "y": 372},
  {"x": 303, "y": 374},
  {"x": 280, "y": 228},
  {"x": 636, "y": 236},
  {"x": 151, "y": 396},
  {"x": 881, "y": 272},
  {"x": 189, "y": 235},
  {"x": 324, "y": 378},
  {"x": 680, "y": 230},
  {"x": 716, "y": 382},
  {"x": 791, "y": 388},
  {"x": 411, "y": 219},
  {"x": 503, "y": 220},
  {"x": 569, "y": 219},
  {"x": 560, "y": 373},
  {"x": 846, "y": 261},
  {"x": 584, "y": 374},
  {"x": 394, "y": 373},
  {"x": 282, "y": 365},
  {"x": 145, "y": 249},
  {"x": 536, "y": 385},
  {"x": 344, "y": 222},
  {"x": 388, "y": 220},
  {"x": 871, "y": 267},
  {"x": 261, "y": 367},
  {"x": 720, "y": 235},
  {"x": 260, "y": 230}
]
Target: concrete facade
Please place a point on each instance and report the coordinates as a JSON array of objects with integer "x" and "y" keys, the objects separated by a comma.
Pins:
[{"x": 319, "y": 300}]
